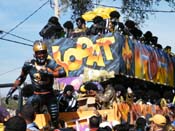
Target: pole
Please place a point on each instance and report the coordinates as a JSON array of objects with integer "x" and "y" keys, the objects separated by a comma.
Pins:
[
  {"x": 0, "y": 98},
  {"x": 6, "y": 85},
  {"x": 56, "y": 8},
  {"x": 20, "y": 99}
]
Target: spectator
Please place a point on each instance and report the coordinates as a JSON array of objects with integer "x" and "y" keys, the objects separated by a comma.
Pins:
[
  {"x": 91, "y": 88},
  {"x": 67, "y": 100},
  {"x": 154, "y": 41},
  {"x": 107, "y": 98},
  {"x": 69, "y": 28},
  {"x": 94, "y": 122},
  {"x": 87, "y": 93},
  {"x": 167, "y": 49},
  {"x": 159, "y": 46},
  {"x": 120, "y": 92},
  {"x": 129, "y": 96},
  {"x": 121, "y": 127},
  {"x": 15, "y": 123},
  {"x": 98, "y": 26},
  {"x": 133, "y": 30},
  {"x": 28, "y": 114},
  {"x": 169, "y": 127},
  {"x": 141, "y": 124},
  {"x": 81, "y": 27},
  {"x": 52, "y": 30},
  {"x": 42, "y": 72},
  {"x": 158, "y": 122},
  {"x": 129, "y": 25},
  {"x": 114, "y": 16},
  {"x": 137, "y": 33},
  {"x": 147, "y": 37},
  {"x": 105, "y": 122},
  {"x": 114, "y": 24}
]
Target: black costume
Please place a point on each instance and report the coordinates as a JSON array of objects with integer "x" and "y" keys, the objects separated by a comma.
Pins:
[
  {"x": 43, "y": 91},
  {"x": 67, "y": 99},
  {"x": 42, "y": 72}
]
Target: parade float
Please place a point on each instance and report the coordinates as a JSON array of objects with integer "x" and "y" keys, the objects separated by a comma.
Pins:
[{"x": 111, "y": 56}]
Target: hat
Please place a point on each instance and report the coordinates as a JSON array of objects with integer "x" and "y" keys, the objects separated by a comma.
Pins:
[
  {"x": 68, "y": 25},
  {"x": 158, "y": 119},
  {"x": 68, "y": 88},
  {"x": 130, "y": 24},
  {"x": 148, "y": 34},
  {"x": 82, "y": 89},
  {"x": 168, "y": 47},
  {"x": 53, "y": 20},
  {"x": 114, "y": 14},
  {"x": 97, "y": 19}
]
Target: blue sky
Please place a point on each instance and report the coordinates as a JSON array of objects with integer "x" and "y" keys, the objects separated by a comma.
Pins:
[{"x": 13, "y": 12}]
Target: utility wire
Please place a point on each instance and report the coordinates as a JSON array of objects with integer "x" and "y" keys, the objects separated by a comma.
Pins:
[
  {"x": 21, "y": 43},
  {"x": 161, "y": 11},
  {"x": 16, "y": 36},
  {"x": 17, "y": 68},
  {"x": 25, "y": 19},
  {"x": 17, "y": 42}
]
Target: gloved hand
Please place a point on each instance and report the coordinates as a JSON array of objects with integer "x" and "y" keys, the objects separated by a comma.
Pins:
[{"x": 9, "y": 95}]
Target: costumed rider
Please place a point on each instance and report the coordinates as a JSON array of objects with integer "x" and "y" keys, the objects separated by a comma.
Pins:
[
  {"x": 81, "y": 28},
  {"x": 98, "y": 26},
  {"x": 52, "y": 30},
  {"x": 114, "y": 24},
  {"x": 67, "y": 99},
  {"x": 42, "y": 72},
  {"x": 107, "y": 98}
]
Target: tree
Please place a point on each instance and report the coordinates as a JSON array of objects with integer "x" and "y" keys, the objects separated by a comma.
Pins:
[
  {"x": 13, "y": 104},
  {"x": 138, "y": 10},
  {"x": 79, "y": 7}
]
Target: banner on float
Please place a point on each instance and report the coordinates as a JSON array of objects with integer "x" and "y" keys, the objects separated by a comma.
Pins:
[{"x": 114, "y": 52}]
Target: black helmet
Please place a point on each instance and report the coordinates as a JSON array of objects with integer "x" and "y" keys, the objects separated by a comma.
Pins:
[
  {"x": 53, "y": 20},
  {"x": 97, "y": 19},
  {"x": 114, "y": 14}
]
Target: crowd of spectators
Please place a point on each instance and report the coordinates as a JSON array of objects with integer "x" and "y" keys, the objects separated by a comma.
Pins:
[
  {"x": 131, "y": 109},
  {"x": 132, "y": 113},
  {"x": 54, "y": 30}
]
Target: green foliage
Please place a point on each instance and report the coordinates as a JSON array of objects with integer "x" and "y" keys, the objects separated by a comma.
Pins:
[
  {"x": 138, "y": 10},
  {"x": 79, "y": 7},
  {"x": 13, "y": 104}
]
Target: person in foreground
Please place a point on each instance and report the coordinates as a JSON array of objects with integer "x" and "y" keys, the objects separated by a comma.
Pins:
[
  {"x": 29, "y": 115},
  {"x": 15, "y": 123},
  {"x": 42, "y": 71}
]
